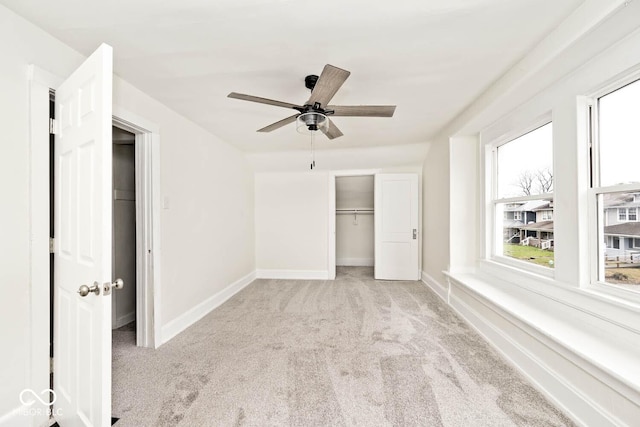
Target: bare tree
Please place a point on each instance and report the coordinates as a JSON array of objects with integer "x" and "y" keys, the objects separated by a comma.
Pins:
[
  {"x": 525, "y": 182},
  {"x": 535, "y": 182},
  {"x": 544, "y": 178}
]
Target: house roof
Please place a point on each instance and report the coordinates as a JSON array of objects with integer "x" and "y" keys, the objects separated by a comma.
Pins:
[
  {"x": 531, "y": 205},
  {"x": 631, "y": 229},
  {"x": 512, "y": 224},
  {"x": 545, "y": 207},
  {"x": 620, "y": 200},
  {"x": 539, "y": 226}
]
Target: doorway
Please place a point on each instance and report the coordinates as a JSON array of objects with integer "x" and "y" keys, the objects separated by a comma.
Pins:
[
  {"x": 123, "y": 304},
  {"x": 354, "y": 220},
  {"x": 42, "y": 85}
]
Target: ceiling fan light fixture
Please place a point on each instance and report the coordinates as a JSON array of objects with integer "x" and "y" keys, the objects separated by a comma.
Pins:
[{"x": 307, "y": 123}]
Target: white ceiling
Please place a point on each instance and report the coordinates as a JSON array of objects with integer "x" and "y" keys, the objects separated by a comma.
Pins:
[{"x": 431, "y": 58}]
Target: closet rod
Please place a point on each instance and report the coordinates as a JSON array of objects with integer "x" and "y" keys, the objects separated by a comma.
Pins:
[{"x": 353, "y": 211}]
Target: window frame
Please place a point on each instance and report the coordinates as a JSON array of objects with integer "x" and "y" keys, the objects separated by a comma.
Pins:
[
  {"x": 635, "y": 214},
  {"x": 597, "y": 243},
  {"x": 494, "y": 233}
]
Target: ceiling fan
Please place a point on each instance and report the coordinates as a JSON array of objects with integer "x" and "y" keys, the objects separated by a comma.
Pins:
[{"x": 313, "y": 115}]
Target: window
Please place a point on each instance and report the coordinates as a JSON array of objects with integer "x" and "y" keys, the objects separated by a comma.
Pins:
[
  {"x": 616, "y": 243},
  {"x": 523, "y": 175},
  {"x": 622, "y": 214},
  {"x": 517, "y": 215},
  {"x": 616, "y": 186}
]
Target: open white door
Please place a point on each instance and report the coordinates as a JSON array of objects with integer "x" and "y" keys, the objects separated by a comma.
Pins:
[
  {"x": 396, "y": 227},
  {"x": 82, "y": 334}
]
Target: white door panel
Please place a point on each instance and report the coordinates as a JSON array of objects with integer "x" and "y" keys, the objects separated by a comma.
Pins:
[
  {"x": 82, "y": 334},
  {"x": 396, "y": 227}
]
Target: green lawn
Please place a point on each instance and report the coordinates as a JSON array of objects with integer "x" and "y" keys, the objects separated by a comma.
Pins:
[{"x": 529, "y": 254}]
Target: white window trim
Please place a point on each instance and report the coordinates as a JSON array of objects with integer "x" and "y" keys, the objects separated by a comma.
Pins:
[
  {"x": 596, "y": 215},
  {"x": 491, "y": 192}
]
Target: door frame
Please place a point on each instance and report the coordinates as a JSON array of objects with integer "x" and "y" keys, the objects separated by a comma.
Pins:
[
  {"x": 148, "y": 139},
  {"x": 147, "y": 176},
  {"x": 331, "y": 237}
]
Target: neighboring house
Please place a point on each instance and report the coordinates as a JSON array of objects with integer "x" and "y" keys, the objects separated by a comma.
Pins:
[
  {"x": 539, "y": 234},
  {"x": 621, "y": 224},
  {"x": 529, "y": 223},
  {"x": 544, "y": 212}
]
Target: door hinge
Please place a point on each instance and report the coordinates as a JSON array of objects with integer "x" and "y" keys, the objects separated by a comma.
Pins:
[
  {"x": 53, "y": 127},
  {"x": 51, "y": 245}
]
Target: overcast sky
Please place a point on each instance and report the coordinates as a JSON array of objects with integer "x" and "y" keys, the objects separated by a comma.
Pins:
[
  {"x": 532, "y": 152},
  {"x": 619, "y": 130},
  {"x": 620, "y": 136}
]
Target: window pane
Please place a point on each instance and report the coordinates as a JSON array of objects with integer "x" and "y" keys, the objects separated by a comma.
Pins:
[
  {"x": 529, "y": 238},
  {"x": 620, "y": 135},
  {"x": 622, "y": 214},
  {"x": 525, "y": 164},
  {"x": 620, "y": 239}
]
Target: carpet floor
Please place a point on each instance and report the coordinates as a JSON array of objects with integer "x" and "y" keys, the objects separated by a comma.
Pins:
[{"x": 349, "y": 352}]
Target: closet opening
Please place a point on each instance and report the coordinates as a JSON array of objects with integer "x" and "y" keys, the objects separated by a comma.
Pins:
[
  {"x": 123, "y": 303},
  {"x": 354, "y": 225}
]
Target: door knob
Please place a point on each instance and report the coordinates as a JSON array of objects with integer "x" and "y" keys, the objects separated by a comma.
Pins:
[
  {"x": 117, "y": 284},
  {"x": 85, "y": 290}
]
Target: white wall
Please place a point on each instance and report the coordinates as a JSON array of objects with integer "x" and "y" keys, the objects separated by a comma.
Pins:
[
  {"x": 435, "y": 208},
  {"x": 207, "y": 232},
  {"x": 291, "y": 224},
  {"x": 355, "y": 240},
  {"x": 208, "y": 229}
]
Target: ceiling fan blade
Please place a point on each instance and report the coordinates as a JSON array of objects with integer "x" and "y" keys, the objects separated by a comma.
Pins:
[
  {"x": 332, "y": 132},
  {"x": 363, "y": 110},
  {"x": 279, "y": 124},
  {"x": 262, "y": 100},
  {"x": 328, "y": 84}
]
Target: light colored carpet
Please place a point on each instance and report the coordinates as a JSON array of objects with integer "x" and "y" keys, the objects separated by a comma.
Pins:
[{"x": 348, "y": 352}]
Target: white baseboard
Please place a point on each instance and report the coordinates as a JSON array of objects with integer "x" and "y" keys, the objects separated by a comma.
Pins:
[
  {"x": 355, "y": 262},
  {"x": 293, "y": 274},
  {"x": 434, "y": 285},
  {"x": 187, "y": 319},
  {"x": 552, "y": 368},
  {"x": 125, "y": 319}
]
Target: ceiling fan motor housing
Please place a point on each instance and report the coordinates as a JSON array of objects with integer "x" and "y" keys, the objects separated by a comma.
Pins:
[{"x": 310, "y": 81}]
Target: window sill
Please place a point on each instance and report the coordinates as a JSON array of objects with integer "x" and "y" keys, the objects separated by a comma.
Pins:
[
  {"x": 524, "y": 266},
  {"x": 591, "y": 327}
]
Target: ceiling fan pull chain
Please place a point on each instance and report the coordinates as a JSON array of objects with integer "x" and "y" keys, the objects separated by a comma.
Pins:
[{"x": 313, "y": 154}]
